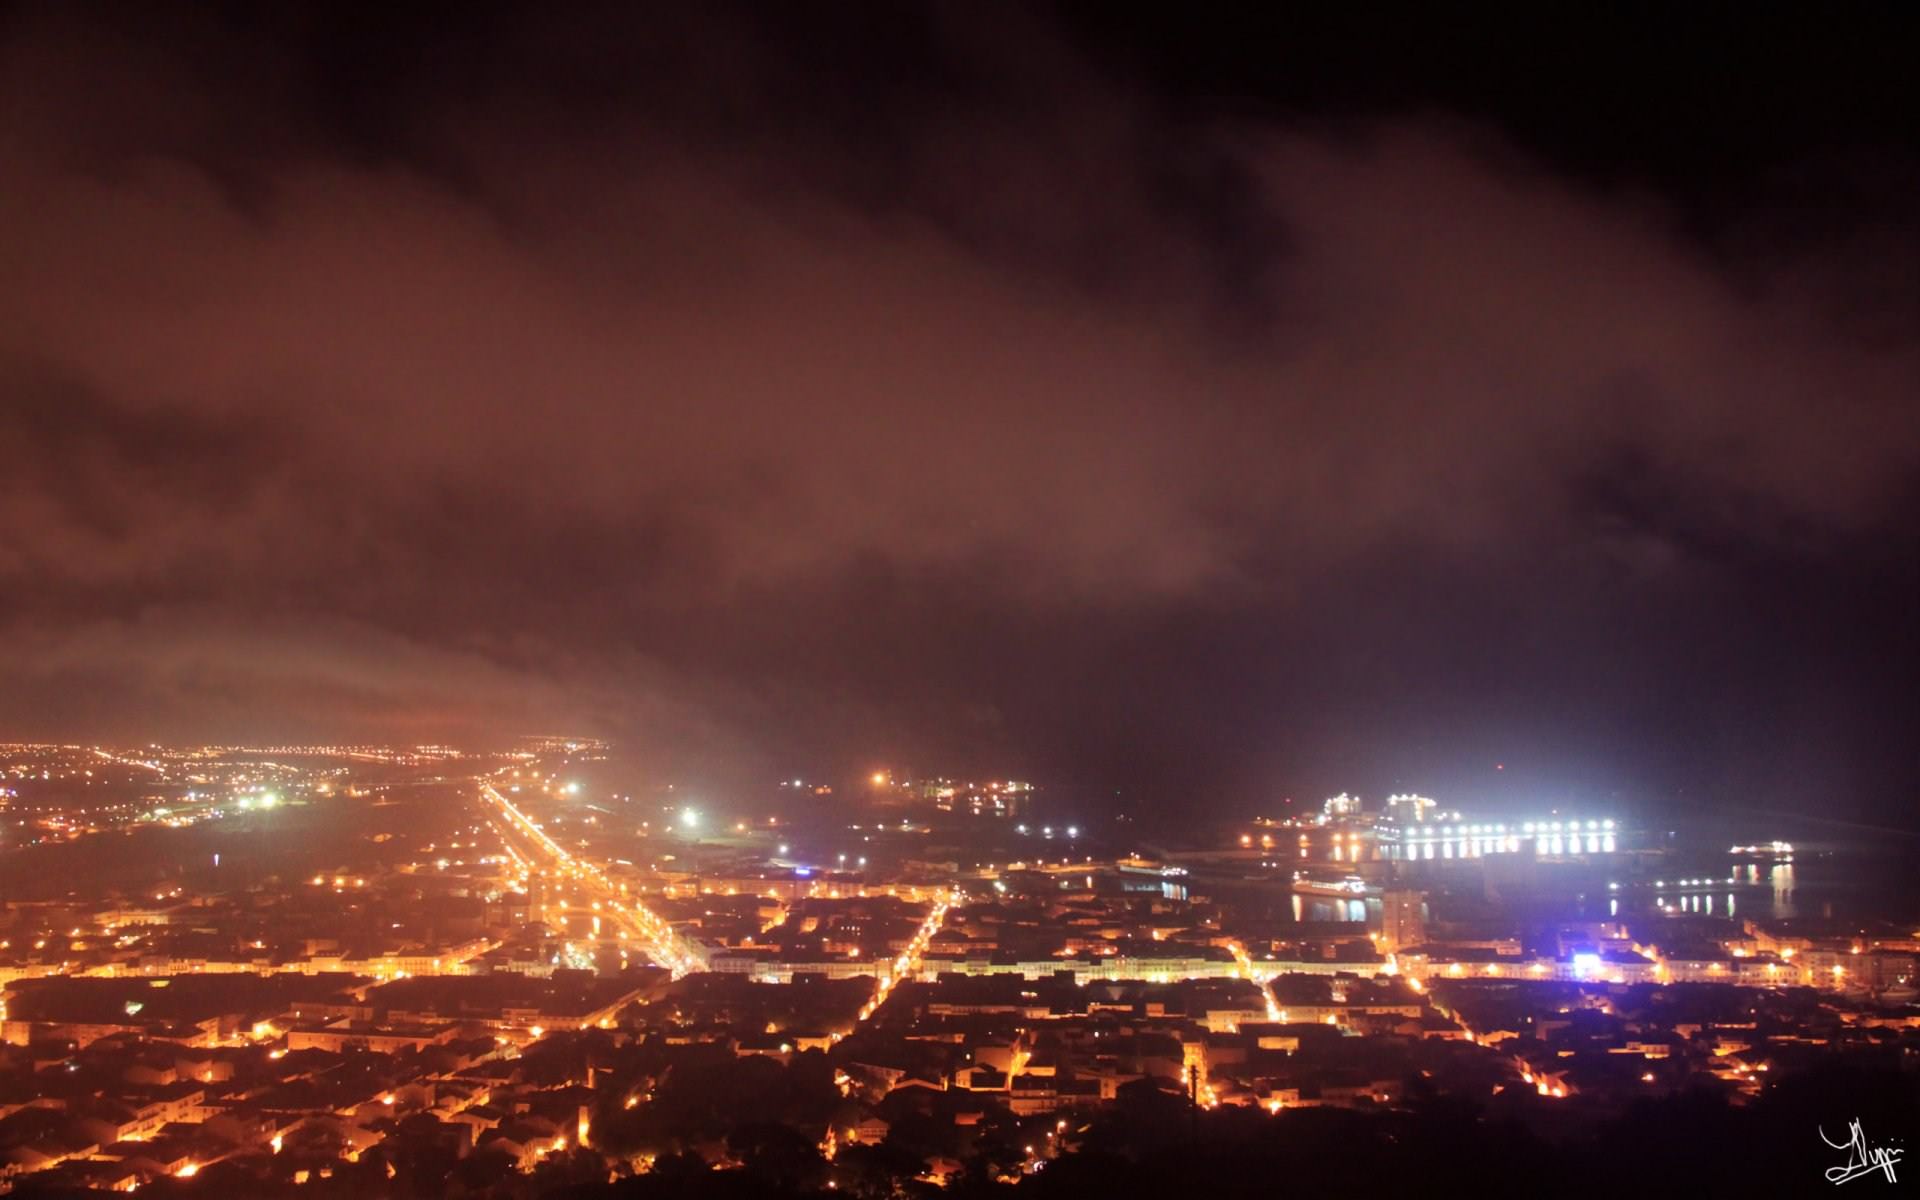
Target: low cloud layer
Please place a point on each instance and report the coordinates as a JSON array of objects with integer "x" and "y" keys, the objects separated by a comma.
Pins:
[{"x": 1065, "y": 436}]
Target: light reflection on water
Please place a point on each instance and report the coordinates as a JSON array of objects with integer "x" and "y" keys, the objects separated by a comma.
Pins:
[
  {"x": 1168, "y": 891},
  {"x": 1329, "y": 908},
  {"x": 1826, "y": 879}
]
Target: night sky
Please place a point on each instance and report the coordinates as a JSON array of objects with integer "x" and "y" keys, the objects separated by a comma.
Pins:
[{"x": 1209, "y": 408}]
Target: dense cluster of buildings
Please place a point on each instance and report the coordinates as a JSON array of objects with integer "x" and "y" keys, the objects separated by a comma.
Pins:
[{"x": 411, "y": 977}]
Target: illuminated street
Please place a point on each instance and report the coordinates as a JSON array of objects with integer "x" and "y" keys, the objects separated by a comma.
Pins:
[{"x": 629, "y": 917}]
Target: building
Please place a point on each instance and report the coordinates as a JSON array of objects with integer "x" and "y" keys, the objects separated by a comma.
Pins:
[
  {"x": 1409, "y": 809},
  {"x": 1403, "y": 919}
]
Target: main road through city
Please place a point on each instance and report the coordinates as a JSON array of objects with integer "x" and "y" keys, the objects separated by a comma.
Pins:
[
  {"x": 610, "y": 900},
  {"x": 656, "y": 938}
]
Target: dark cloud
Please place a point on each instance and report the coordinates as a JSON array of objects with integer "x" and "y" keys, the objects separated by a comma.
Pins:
[{"x": 765, "y": 395}]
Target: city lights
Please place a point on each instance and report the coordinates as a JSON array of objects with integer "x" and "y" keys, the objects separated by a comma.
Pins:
[{"x": 989, "y": 601}]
